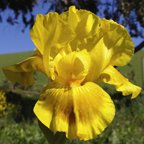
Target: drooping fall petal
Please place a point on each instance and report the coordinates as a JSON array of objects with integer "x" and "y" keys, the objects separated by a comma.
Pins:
[
  {"x": 112, "y": 76},
  {"x": 23, "y": 72},
  {"x": 81, "y": 112}
]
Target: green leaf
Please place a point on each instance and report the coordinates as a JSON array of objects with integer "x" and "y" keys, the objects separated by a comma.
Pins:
[{"x": 53, "y": 138}]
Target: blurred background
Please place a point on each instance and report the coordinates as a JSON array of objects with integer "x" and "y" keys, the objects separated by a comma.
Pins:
[{"x": 18, "y": 124}]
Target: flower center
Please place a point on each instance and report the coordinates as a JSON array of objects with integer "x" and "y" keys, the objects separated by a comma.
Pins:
[{"x": 71, "y": 69}]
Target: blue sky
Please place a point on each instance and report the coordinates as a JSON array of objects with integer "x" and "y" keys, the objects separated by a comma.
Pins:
[{"x": 13, "y": 40}]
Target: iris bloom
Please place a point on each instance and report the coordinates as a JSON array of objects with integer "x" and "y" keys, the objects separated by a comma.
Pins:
[{"x": 76, "y": 50}]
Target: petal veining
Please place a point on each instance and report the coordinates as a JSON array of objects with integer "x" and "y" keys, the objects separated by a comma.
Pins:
[{"x": 81, "y": 112}]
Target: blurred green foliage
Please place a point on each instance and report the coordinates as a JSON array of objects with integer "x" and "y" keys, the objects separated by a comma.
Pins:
[{"x": 20, "y": 133}]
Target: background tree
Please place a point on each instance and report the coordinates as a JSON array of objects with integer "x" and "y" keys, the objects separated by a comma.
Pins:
[{"x": 129, "y": 13}]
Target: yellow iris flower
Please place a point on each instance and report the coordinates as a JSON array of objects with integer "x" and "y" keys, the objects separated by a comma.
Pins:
[{"x": 76, "y": 50}]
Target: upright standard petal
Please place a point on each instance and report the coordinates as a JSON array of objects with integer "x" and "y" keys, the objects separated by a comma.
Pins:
[
  {"x": 43, "y": 30},
  {"x": 113, "y": 47},
  {"x": 50, "y": 34},
  {"x": 23, "y": 72},
  {"x": 118, "y": 41},
  {"x": 111, "y": 76},
  {"x": 82, "y": 22},
  {"x": 100, "y": 58},
  {"x": 81, "y": 112}
]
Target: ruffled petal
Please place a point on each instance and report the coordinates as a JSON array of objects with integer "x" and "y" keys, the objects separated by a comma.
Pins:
[
  {"x": 82, "y": 22},
  {"x": 111, "y": 76},
  {"x": 100, "y": 58},
  {"x": 53, "y": 138},
  {"x": 118, "y": 41},
  {"x": 23, "y": 72},
  {"x": 51, "y": 34},
  {"x": 94, "y": 110},
  {"x": 108, "y": 42},
  {"x": 87, "y": 25},
  {"x": 62, "y": 34},
  {"x": 43, "y": 30},
  {"x": 53, "y": 108},
  {"x": 71, "y": 17},
  {"x": 81, "y": 112},
  {"x": 111, "y": 45}
]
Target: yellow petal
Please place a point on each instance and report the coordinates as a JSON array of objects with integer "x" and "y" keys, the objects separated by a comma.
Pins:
[
  {"x": 23, "y": 72},
  {"x": 53, "y": 108},
  {"x": 118, "y": 42},
  {"x": 50, "y": 34},
  {"x": 108, "y": 42},
  {"x": 83, "y": 23},
  {"x": 43, "y": 30},
  {"x": 111, "y": 76},
  {"x": 81, "y": 112},
  {"x": 71, "y": 17},
  {"x": 113, "y": 47},
  {"x": 100, "y": 59}
]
